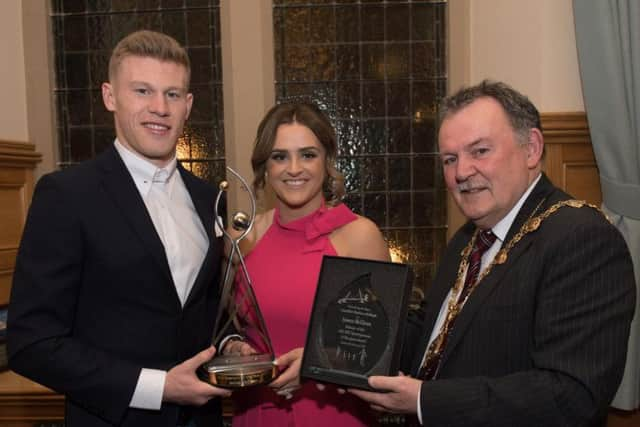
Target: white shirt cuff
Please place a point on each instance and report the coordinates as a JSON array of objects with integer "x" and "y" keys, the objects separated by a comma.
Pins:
[
  {"x": 419, "y": 408},
  {"x": 149, "y": 389}
]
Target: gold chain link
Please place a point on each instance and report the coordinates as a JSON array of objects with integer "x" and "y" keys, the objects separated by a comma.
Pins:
[{"x": 453, "y": 305}]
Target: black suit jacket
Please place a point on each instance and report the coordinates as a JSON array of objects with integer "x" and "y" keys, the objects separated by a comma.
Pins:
[
  {"x": 542, "y": 339},
  {"x": 93, "y": 300}
]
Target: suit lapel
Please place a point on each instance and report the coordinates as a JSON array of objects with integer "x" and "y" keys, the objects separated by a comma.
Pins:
[
  {"x": 201, "y": 200},
  {"x": 534, "y": 205},
  {"x": 437, "y": 294},
  {"x": 119, "y": 184}
]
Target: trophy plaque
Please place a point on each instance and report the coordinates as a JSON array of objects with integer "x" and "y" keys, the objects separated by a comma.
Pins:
[
  {"x": 357, "y": 321},
  {"x": 239, "y": 315}
]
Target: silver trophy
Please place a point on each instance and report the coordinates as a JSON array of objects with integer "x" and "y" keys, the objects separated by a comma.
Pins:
[{"x": 239, "y": 313}]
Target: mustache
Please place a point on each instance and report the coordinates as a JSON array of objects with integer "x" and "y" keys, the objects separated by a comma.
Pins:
[{"x": 466, "y": 186}]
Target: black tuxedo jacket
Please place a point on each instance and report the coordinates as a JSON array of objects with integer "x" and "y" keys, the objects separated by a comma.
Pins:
[
  {"x": 542, "y": 339},
  {"x": 93, "y": 300}
]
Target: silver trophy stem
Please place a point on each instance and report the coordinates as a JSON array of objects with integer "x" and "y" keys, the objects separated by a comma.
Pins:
[
  {"x": 235, "y": 251},
  {"x": 235, "y": 371}
]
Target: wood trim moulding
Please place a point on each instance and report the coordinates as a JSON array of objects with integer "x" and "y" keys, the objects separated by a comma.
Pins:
[
  {"x": 18, "y": 154},
  {"x": 25, "y": 403},
  {"x": 17, "y": 162},
  {"x": 570, "y": 162},
  {"x": 565, "y": 128}
]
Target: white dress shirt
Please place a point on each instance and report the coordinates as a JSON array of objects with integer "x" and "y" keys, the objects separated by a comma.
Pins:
[
  {"x": 184, "y": 239},
  {"x": 500, "y": 230}
]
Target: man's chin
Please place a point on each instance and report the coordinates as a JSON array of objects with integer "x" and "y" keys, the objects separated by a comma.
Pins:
[{"x": 475, "y": 216}]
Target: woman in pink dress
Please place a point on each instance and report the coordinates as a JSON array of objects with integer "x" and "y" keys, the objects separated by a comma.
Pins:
[{"x": 293, "y": 157}]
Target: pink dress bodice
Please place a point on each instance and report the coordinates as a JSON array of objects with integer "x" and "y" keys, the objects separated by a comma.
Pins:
[{"x": 284, "y": 267}]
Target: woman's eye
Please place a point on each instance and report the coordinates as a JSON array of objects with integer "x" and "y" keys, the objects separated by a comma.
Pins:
[{"x": 309, "y": 155}]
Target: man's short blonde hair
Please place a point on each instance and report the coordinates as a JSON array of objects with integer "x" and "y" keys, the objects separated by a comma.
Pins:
[{"x": 149, "y": 44}]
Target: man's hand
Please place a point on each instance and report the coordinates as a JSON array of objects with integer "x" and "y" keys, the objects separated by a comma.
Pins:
[
  {"x": 289, "y": 379},
  {"x": 401, "y": 397},
  {"x": 182, "y": 385}
]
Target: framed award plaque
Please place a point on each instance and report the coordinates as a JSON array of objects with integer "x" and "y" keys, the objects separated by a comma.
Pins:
[{"x": 357, "y": 322}]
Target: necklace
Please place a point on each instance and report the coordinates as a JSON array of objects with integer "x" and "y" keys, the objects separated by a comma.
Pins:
[{"x": 454, "y": 306}]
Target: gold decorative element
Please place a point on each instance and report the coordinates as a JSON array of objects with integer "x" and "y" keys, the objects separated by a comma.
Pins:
[
  {"x": 576, "y": 203},
  {"x": 453, "y": 305},
  {"x": 467, "y": 251},
  {"x": 501, "y": 257},
  {"x": 240, "y": 221},
  {"x": 243, "y": 378},
  {"x": 532, "y": 224}
]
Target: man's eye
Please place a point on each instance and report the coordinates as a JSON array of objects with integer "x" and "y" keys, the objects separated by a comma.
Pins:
[
  {"x": 173, "y": 95},
  {"x": 446, "y": 161},
  {"x": 477, "y": 152},
  {"x": 141, "y": 91}
]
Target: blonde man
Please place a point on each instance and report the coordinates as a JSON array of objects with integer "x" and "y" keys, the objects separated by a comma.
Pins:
[{"x": 116, "y": 279}]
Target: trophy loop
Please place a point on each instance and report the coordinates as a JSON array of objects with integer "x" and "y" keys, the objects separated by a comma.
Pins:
[{"x": 239, "y": 313}]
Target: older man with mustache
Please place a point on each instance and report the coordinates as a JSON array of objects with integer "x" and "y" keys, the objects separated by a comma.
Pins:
[{"x": 527, "y": 321}]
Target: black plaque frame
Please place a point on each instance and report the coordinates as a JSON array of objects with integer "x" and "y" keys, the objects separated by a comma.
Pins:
[{"x": 391, "y": 283}]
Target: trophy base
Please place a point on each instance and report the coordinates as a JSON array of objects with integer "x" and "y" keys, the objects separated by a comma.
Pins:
[{"x": 240, "y": 371}]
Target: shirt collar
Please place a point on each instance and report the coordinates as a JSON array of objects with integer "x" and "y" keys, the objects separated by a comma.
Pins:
[
  {"x": 502, "y": 227},
  {"x": 143, "y": 171}
]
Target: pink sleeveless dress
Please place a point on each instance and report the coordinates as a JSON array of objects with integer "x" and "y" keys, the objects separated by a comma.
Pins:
[{"x": 284, "y": 267}]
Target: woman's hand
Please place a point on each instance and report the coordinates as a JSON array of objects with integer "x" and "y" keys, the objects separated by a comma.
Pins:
[{"x": 289, "y": 379}]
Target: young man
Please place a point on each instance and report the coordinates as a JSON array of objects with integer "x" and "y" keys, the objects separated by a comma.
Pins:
[
  {"x": 116, "y": 281},
  {"x": 532, "y": 332}
]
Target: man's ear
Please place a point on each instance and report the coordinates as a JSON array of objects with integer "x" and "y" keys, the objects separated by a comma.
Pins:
[
  {"x": 535, "y": 148},
  {"x": 108, "y": 97},
  {"x": 189, "y": 104}
]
